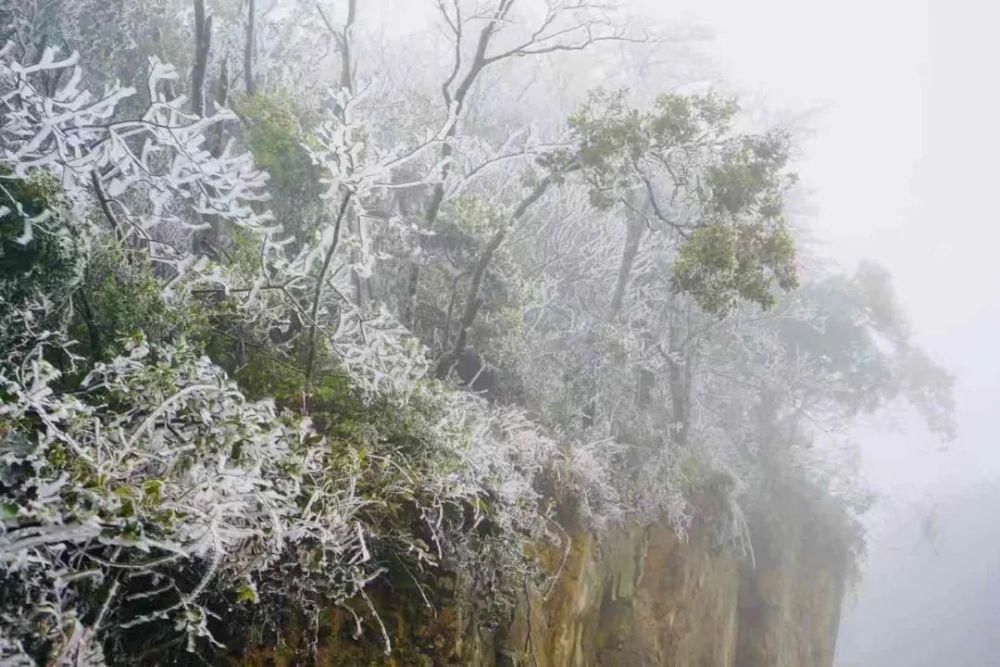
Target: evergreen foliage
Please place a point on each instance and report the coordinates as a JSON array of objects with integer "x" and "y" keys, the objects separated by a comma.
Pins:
[{"x": 241, "y": 347}]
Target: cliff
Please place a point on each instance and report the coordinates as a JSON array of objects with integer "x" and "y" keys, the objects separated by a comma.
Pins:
[{"x": 638, "y": 596}]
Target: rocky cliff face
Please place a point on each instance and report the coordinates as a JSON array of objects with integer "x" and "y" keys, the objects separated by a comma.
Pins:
[
  {"x": 637, "y": 597},
  {"x": 644, "y": 598},
  {"x": 648, "y": 598}
]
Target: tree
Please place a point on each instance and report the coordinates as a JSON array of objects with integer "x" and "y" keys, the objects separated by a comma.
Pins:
[
  {"x": 230, "y": 306},
  {"x": 136, "y": 466},
  {"x": 565, "y": 26}
]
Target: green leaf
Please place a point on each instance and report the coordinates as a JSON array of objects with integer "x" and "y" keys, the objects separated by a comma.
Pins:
[
  {"x": 152, "y": 490},
  {"x": 247, "y": 593},
  {"x": 9, "y": 510}
]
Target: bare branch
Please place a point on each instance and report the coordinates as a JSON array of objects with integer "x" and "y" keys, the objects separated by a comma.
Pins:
[
  {"x": 320, "y": 280},
  {"x": 105, "y": 202},
  {"x": 342, "y": 37}
]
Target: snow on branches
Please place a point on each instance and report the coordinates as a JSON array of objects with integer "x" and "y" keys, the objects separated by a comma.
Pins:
[
  {"x": 154, "y": 177},
  {"x": 157, "y": 459}
]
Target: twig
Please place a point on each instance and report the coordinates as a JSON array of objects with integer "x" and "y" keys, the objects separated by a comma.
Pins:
[{"x": 318, "y": 292}]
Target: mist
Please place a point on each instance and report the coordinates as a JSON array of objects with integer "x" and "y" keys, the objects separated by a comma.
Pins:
[
  {"x": 498, "y": 332},
  {"x": 898, "y": 171}
]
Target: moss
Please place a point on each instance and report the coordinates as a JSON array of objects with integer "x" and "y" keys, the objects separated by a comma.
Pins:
[{"x": 420, "y": 636}]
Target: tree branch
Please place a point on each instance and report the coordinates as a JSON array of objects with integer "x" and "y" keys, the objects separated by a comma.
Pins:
[
  {"x": 473, "y": 303},
  {"x": 318, "y": 291}
]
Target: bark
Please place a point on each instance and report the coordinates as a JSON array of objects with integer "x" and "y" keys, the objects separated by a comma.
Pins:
[
  {"x": 248, "y": 50},
  {"x": 473, "y": 302},
  {"x": 343, "y": 40},
  {"x": 320, "y": 280},
  {"x": 633, "y": 239},
  {"x": 203, "y": 44},
  {"x": 93, "y": 331},
  {"x": 472, "y": 305},
  {"x": 346, "y": 63},
  {"x": 456, "y": 104}
]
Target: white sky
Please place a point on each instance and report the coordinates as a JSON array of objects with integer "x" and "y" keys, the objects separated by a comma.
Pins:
[
  {"x": 902, "y": 167},
  {"x": 902, "y": 171}
]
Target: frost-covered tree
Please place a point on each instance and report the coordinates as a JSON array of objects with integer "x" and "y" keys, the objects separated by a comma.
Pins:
[
  {"x": 141, "y": 488},
  {"x": 255, "y": 267}
]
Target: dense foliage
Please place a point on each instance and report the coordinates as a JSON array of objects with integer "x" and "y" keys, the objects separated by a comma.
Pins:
[{"x": 274, "y": 333}]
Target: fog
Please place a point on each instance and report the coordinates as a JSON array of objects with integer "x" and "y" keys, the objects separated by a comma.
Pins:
[
  {"x": 902, "y": 169},
  {"x": 899, "y": 164},
  {"x": 336, "y": 328}
]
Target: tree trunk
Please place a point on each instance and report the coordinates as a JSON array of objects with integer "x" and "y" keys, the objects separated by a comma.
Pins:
[
  {"x": 203, "y": 43},
  {"x": 248, "y": 49},
  {"x": 633, "y": 239},
  {"x": 472, "y": 305},
  {"x": 473, "y": 302}
]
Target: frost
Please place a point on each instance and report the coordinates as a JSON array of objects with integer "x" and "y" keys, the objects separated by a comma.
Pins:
[{"x": 147, "y": 173}]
